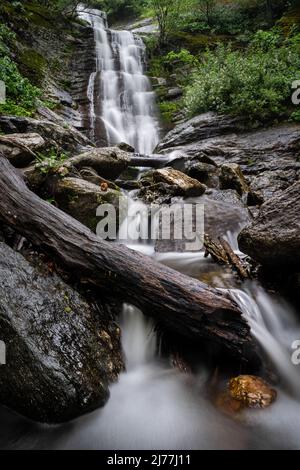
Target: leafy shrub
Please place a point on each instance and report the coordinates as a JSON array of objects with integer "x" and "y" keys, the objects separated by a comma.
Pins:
[
  {"x": 51, "y": 162},
  {"x": 19, "y": 90},
  {"x": 183, "y": 57},
  {"x": 255, "y": 83},
  {"x": 6, "y": 39},
  {"x": 296, "y": 116},
  {"x": 267, "y": 40},
  {"x": 168, "y": 110}
]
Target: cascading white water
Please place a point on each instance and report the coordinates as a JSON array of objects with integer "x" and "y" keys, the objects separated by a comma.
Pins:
[
  {"x": 275, "y": 327},
  {"x": 127, "y": 101}
]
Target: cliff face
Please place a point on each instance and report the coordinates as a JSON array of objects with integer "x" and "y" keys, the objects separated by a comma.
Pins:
[{"x": 57, "y": 55}]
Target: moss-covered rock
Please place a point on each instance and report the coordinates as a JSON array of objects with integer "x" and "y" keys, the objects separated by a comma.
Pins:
[{"x": 80, "y": 199}]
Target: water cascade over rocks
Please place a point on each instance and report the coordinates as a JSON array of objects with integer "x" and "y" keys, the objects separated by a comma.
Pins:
[
  {"x": 122, "y": 103},
  {"x": 154, "y": 406}
]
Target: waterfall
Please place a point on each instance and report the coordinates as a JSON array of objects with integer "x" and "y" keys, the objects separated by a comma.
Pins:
[
  {"x": 275, "y": 327},
  {"x": 119, "y": 93}
]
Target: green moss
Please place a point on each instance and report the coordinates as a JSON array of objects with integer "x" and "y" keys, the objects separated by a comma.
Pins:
[
  {"x": 197, "y": 42},
  {"x": 33, "y": 65}
]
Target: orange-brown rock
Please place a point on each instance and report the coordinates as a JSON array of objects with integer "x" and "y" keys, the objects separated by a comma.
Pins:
[{"x": 252, "y": 391}]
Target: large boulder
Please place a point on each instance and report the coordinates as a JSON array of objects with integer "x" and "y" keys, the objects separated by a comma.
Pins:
[
  {"x": 224, "y": 215},
  {"x": 62, "y": 352},
  {"x": 273, "y": 239},
  {"x": 161, "y": 186},
  {"x": 109, "y": 162},
  {"x": 80, "y": 199},
  {"x": 20, "y": 149},
  {"x": 185, "y": 185}
]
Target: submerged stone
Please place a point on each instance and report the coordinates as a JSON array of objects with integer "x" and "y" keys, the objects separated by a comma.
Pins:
[{"x": 252, "y": 391}]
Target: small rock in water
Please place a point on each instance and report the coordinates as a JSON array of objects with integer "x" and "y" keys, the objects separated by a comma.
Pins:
[
  {"x": 252, "y": 391},
  {"x": 232, "y": 178}
]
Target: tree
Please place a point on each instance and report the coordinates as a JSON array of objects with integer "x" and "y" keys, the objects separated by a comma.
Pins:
[
  {"x": 166, "y": 12},
  {"x": 206, "y": 7}
]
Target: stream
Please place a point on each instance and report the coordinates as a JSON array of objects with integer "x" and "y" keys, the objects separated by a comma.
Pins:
[{"x": 154, "y": 406}]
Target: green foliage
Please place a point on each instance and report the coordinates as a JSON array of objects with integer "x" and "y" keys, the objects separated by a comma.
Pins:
[
  {"x": 266, "y": 41},
  {"x": 255, "y": 83},
  {"x": 295, "y": 116},
  {"x": 168, "y": 110},
  {"x": 51, "y": 161},
  {"x": 183, "y": 57},
  {"x": 7, "y": 37},
  {"x": 21, "y": 94},
  {"x": 12, "y": 109}
]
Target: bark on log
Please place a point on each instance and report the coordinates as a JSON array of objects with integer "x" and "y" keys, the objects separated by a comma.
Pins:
[
  {"x": 222, "y": 253},
  {"x": 181, "y": 304}
]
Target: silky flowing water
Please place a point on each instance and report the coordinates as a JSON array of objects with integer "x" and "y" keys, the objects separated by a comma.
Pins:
[{"x": 154, "y": 406}]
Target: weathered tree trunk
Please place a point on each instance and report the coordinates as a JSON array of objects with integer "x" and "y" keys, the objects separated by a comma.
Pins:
[
  {"x": 222, "y": 253},
  {"x": 182, "y": 305}
]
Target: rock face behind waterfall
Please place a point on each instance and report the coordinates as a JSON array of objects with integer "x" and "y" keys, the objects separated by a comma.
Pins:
[
  {"x": 267, "y": 157},
  {"x": 273, "y": 238},
  {"x": 61, "y": 352}
]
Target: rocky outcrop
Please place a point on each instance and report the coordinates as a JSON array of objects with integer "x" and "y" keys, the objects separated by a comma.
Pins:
[
  {"x": 20, "y": 148},
  {"x": 199, "y": 128},
  {"x": 109, "y": 162},
  {"x": 56, "y": 134},
  {"x": 62, "y": 352},
  {"x": 273, "y": 239},
  {"x": 80, "y": 199},
  {"x": 268, "y": 157}
]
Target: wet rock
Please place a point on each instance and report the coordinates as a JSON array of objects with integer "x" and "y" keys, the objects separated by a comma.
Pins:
[
  {"x": 183, "y": 184},
  {"x": 252, "y": 391},
  {"x": 206, "y": 173},
  {"x": 55, "y": 133},
  {"x": 62, "y": 353},
  {"x": 224, "y": 215},
  {"x": 90, "y": 175},
  {"x": 227, "y": 404},
  {"x": 20, "y": 148},
  {"x": 125, "y": 147},
  {"x": 198, "y": 128},
  {"x": 267, "y": 157},
  {"x": 232, "y": 177},
  {"x": 273, "y": 239},
  {"x": 160, "y": 186},
  {"x": 109, "y": 162},
  {"x": 174, "y": 93},
  {"x": 80, "y": 199}
]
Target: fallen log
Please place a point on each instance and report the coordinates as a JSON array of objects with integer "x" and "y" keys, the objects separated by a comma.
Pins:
[
  {"x": 222, "y": 253},
  {"x": 182, "y": 305}
]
